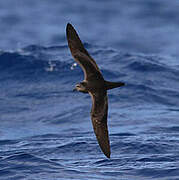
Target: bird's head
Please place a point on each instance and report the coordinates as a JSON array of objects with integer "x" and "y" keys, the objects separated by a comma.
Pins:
[{"x": 81, "y": 87}]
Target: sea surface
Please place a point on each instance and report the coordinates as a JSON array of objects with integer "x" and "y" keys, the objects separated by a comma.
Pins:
[{"x": 45, "y": 127}]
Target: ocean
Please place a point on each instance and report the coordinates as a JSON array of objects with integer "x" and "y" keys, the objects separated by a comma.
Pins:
[{"x": 45, "y": 128}]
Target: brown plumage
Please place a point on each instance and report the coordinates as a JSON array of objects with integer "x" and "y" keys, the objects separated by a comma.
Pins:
[{"x": 95, "y": 85}]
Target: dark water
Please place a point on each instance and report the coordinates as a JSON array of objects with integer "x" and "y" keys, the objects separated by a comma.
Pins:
[{"x": 45, "y": 128}]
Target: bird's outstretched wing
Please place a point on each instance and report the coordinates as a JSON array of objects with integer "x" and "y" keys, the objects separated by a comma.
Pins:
[
  {"x": 81, "y": 55},
  {"x": 99, "y": 113}
]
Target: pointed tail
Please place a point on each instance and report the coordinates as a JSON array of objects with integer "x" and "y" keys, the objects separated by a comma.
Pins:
[{"x": 111, "y": 85}]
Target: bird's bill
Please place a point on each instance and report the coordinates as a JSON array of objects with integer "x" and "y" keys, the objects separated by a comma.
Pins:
[{"x": 74, "y": 90}]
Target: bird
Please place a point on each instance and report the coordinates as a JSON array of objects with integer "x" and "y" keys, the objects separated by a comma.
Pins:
[{"x": 95, "y": 85}]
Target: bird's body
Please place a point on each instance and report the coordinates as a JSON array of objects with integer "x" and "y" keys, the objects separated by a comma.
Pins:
[{"x": 95, "y": 85}]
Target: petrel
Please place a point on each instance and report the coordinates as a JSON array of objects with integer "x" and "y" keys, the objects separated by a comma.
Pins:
[{"x": 95, "y": 85}]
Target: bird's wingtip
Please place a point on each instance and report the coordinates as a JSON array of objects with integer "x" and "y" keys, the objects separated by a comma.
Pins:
[
  {"x": 107, "y": 154},
  {"x": 70, "y": 31},
  {"x": 68, "y": 26}
]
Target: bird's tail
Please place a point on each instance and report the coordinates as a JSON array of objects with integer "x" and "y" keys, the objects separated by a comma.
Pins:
[{"x": 111, "y": 85}]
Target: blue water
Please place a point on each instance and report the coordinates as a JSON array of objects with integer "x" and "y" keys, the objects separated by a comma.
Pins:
[{"x": 45, "y": 128}]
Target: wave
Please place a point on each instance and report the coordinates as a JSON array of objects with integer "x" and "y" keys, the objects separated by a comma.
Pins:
[
  {"x": 29, "y": 63},
  {"x": 36, "y": 59},
  {"x": 148, "y": 77}
]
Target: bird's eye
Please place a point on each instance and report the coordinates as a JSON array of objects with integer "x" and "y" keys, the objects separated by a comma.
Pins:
[{"x": 77, "y": 85}]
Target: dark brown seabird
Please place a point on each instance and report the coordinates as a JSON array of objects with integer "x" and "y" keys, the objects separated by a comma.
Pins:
[{"x": 95, "y": 85}]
